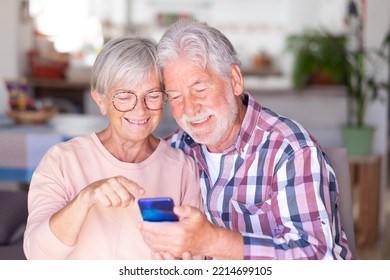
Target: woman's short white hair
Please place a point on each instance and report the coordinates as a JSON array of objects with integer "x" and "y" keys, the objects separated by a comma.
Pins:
[{"x": 129, "y": 59}]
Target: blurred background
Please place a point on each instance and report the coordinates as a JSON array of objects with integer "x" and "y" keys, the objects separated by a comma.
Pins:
[{"x": 49, "y": 46}]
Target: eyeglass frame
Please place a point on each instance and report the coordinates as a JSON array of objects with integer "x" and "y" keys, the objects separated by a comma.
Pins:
[{"x": 165, "y": 98}]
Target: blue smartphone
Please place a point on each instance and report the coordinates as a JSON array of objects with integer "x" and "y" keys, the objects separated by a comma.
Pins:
[{"x": 157, "y": 209}]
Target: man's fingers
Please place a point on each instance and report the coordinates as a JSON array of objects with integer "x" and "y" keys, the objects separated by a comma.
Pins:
[
  {"x": 156, "y": 256},
  {"x": 186, "y": 211},
  {"x": 158, "y": 236},
  {"x": 186, "y": 256},
  {"x": 167, "y": 256},
  {"x": 163, "y": 256},
  {"x": 153, "y": 228}
]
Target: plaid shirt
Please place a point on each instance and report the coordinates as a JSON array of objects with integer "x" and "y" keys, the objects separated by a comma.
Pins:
[{"x": 276, "y": 187}]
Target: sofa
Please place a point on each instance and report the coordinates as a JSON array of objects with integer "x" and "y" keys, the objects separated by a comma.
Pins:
[{"x": 13, "y": 218}]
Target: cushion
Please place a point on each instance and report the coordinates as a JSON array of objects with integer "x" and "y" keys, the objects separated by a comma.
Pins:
[
  {"x": 13, "y": 213},
  {"x": 12, "y": 252}
]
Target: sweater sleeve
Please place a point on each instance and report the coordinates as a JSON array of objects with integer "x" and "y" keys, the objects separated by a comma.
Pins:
[{"x": 47, "y": 195}]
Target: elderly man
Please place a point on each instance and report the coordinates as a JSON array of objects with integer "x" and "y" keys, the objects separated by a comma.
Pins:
[{"x": 269, "y": 191}]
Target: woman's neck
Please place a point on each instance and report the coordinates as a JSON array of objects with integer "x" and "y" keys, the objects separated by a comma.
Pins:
[{"x": 125, "y": 150}]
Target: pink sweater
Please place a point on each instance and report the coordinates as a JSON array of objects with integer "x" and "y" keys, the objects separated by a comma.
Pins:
[{"x": 108, "y": 233}]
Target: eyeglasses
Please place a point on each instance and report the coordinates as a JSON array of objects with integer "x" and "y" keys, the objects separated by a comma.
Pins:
[{"x": 125, "y": 101}]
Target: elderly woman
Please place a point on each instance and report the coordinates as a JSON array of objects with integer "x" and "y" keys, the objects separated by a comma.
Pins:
[{"x": 82, "y": 195}]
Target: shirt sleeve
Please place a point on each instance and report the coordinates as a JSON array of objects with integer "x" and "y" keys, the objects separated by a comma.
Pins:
[
  {"x": 297, "y": 219},
  {"x": 191, "y": 187}
]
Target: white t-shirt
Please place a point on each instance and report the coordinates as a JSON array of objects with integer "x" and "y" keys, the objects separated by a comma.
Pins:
[{"x": 213, "y": 163}]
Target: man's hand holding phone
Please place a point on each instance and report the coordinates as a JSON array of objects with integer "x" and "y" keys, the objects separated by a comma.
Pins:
[{"x": 180, "y": 240}]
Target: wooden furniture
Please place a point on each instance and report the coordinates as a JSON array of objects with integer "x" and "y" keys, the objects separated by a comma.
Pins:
[
  {"x": 339, "y": 159},
  {"x": 365, "y": 177},
  {"x": 60, "y": 89}
]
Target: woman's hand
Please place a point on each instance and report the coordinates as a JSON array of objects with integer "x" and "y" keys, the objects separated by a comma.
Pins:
[{"x": 111, "y": 192}]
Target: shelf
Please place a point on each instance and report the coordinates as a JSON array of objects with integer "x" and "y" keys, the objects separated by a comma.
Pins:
[
  {"x": 56, "y": 83},
  {"x": 60, "y": 90},
  {"x": 261, "y": 71}
]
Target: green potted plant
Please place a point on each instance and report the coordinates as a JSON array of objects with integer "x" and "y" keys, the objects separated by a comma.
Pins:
[
  {"x": 319, "y": 58},
  {"x": 318, "y": 51},
  {"x": 362, "y": 88}
]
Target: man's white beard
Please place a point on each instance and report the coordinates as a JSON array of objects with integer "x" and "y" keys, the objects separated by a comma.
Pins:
[{"x": 224, "y": 123}]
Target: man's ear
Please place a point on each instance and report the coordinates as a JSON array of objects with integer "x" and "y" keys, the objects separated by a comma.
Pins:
[
  {"x": 236, "y": 79},
  {"x": 98, "y": 98}
]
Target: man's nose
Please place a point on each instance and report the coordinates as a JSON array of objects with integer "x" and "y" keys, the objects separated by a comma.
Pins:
[{"x": 191, "y": 105}]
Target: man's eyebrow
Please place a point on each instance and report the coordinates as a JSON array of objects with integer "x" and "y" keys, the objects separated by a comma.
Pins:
[
  {"x": 170, "y": 90},
  {"x": 196, "y": 82}
]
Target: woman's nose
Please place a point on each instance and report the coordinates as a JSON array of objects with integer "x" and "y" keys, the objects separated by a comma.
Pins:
[{"x": 140, "y": 106}]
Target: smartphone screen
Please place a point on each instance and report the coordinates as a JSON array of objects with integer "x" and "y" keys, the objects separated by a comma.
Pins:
[{"x": 157, "y": 209}]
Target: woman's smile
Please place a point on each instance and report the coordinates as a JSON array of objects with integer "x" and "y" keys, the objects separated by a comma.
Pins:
[{"x": 137, "y": 122}]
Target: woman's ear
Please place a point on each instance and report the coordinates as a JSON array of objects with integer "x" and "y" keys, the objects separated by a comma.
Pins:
[
  {"x": 236, "y": 79},
  {"x": 98, "y": 98}
]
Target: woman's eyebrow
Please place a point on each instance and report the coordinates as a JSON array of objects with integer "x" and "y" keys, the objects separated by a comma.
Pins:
[{"x": 133, "y": 91}]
